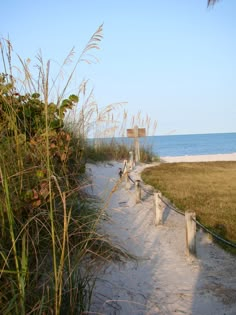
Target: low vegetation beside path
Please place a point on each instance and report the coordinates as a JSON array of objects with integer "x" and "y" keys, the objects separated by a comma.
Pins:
[{"x": 208, "y": 188}]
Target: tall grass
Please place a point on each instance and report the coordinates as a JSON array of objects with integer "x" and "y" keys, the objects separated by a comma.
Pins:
[
  {"x": 111, "y": 149},
  {"x": 48, "y": 222},
  {"x": 49, "y": 244}
]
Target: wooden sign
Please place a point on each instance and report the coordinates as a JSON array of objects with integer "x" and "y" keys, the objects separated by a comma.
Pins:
[{"x": 136, "y": 132}]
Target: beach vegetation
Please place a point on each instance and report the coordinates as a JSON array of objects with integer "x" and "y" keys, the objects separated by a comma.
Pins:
[
  {"x": 50, "y": 249},
  {"x": 116, "y": 150},
  {"x": 109, "y": 140},
  {"x": 204, "y": 187}
]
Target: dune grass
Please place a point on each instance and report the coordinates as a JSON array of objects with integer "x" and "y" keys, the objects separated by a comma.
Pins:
[
  {"x": 116, "y": 151},
  {"x": 208, "y": 188},
  {"x": 50, "y": 250}
]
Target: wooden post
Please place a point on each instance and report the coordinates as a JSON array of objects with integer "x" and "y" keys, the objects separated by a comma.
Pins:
[
  {"x": 131, "y": 160},
  {"x": 158, "y": 208},
  {"x": 125, "y": 166},
  {"x": 136, "y": 144},
  {"x": 190, "y": 218},
  {"x": 127, "y": 182},
  {"x": 126, "y": 174},
  {"x": 137, "y": 191}
]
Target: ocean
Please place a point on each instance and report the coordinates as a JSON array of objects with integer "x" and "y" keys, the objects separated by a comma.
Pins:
[
  {"x": 181, "y": 145},
  {"x": 197, "y": 144}
]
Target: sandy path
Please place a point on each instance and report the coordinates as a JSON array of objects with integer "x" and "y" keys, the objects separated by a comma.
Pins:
[{"x": 164, "y": 280}]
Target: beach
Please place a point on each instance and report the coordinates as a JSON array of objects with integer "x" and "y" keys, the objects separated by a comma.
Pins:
[
  {"x": 200, "y": 158},
  {"x": 163, "y": 279}
]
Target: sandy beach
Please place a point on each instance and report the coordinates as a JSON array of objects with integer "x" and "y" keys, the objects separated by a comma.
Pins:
[
  {"x": 199, "y": 158},
  {"x": 163, "y": 280}
]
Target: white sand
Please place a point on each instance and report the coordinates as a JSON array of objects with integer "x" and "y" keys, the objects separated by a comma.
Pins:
[
  {"x": 200, "y": 158},
  {"x": 164, "y": 280}
]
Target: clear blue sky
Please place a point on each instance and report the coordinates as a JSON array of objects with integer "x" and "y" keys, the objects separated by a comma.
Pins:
[{"x": 173, "y": 60}]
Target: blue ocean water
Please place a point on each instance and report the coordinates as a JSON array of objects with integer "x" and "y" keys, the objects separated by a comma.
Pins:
[
  {"x": 197, "y": 144},
  {"x": 180, "y": 145}
]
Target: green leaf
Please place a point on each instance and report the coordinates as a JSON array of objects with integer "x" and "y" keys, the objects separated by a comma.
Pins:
[
  {"x": 74, "y": 98},
  {"x": 56, "y": 123},
  {"x": 35, "y": 95},
  {"x": 65, "y": 103},
  {"x": 52, "y": 108}
]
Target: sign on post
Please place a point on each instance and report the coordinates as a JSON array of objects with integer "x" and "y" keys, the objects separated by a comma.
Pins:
[
  {"x": 136, "y": 133},
  {"x": 131, "y": 133}
]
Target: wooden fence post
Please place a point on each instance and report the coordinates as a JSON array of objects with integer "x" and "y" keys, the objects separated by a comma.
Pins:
[
  {"x": 131, "y": 160},
  {"x": 125, "y": 166},
  {"x": 127, "y": 182},
  {"x": 126, "y": 175},
  {"x": 137, "y": 191},
  {"x": 158, "y": 208},
  {"x": 190, "y": 218},
  {"x": 136, "y": 145}
]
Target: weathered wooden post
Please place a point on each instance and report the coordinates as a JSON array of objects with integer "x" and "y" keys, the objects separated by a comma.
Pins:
[
  {"x": 136, "y": 145},
  {"x": 131, "y": 160},
  {"x": 190, "y": 219},
  {"x": 137, "y": 191},
  {"x": 126, "y": 175},
  {"x": 125, "y": 166},
  {"x": 158, "y": 208},
  {"x": 127, "y": 182}
]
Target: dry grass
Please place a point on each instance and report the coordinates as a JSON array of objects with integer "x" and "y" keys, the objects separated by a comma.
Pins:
[{"x": 207, "y": 188}]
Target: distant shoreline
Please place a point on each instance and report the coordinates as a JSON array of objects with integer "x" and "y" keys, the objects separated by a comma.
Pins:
[
  {"x": 199, "y": 158},
  {"x": 194, "y": 134}
]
